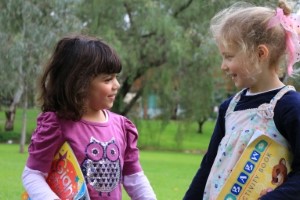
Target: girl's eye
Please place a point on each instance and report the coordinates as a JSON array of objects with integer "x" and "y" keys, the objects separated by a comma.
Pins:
[
  {"x": 228, "y": 56},
  {"x": 108, "y": 79}
]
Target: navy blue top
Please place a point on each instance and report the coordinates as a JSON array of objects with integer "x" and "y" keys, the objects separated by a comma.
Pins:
[{"x": 287, "y": 121}]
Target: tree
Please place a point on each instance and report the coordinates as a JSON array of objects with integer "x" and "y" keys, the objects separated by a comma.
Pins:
[
  {"x": 155, "y": 41},
  {"x": 28, "y": 31},
  {"x": 165, "y": 46}
]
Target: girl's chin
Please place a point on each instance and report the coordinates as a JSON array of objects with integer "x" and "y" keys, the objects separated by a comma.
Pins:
[{"x": 239, "y": 86}]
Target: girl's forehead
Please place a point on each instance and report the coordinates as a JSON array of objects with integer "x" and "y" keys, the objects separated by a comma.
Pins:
[
  {"x": 228, "y": 44},
  {"x": 226, "y": 47},
  {"x": 105, "y": 75}
]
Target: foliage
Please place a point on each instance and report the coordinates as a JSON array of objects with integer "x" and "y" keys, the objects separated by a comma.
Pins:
[
  {"x": 15, "y": 134},
  {"x": 27, "y": 27},
  {"x": 160, "y": 43},
  {"x": 166, "y": 50},
  {"x": 10, "y": 137},
  {"x": 165, "y": 47},
  {"x": 152, "y": 135}
]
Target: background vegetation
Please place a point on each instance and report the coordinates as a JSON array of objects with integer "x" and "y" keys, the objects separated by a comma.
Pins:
[
  {"x": 170, "y": 61},
  {"x": 169, "y": 169},
  {"x": 170, "y": 68},
  {"x": 169, "y": 173}
]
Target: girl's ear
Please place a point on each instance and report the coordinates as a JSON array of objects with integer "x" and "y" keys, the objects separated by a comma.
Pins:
[{"x": 263, "y": 52}]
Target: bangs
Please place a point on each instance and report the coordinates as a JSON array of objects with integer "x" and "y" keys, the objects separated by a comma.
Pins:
[{"x": 106, "y": 60}]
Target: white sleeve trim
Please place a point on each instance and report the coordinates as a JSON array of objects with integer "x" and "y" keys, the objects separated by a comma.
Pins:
[
  {"x": 36, "y": 186},
  {"x": 138, "y": 187}
]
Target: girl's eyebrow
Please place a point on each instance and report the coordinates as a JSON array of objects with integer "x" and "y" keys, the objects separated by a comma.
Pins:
[
  {"x": 225, "y": 53},
  {"x": 105, "y": 75}
]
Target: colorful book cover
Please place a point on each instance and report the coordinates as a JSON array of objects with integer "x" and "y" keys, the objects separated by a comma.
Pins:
[
  {"x": 65, "y": 177},
  {"x": 263, "y": 166}
]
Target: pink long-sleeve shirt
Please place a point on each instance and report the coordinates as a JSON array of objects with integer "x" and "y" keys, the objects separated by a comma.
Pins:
[{"x": 108, "y": 149}]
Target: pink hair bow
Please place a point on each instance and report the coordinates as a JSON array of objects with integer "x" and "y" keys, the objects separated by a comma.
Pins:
[{"x": 291, "y": 24}]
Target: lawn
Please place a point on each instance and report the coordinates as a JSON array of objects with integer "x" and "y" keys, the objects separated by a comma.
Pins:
[
  {"x": 170, "y": 155},
  {"x": 153, "y": 134},
  {"x": 170, "y": 173}
]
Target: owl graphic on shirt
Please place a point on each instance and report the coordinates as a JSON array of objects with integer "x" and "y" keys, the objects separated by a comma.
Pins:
[{"x": 101, "y": 166}]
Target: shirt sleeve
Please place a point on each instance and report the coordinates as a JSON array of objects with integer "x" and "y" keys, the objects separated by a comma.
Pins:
[
  {"x": 287, "y": 120},
  {"x": 138, "y": 187},
  {"x": 196, "y": 188},
  {"x": 131, "y": 158},
  {"x": 45, "y": 141},
  {"x": 36, "y": 186}
]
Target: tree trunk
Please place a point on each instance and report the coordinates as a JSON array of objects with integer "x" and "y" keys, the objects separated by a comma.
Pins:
[
  {"x": 200, "y": 125},
  {"x": 174, "y": 113},
  {"x": 10, "y": 113},
  {"x": 132, "y": 102},
  {"x": 24, "y": 122},
  {"x": 10, "y": 117}
]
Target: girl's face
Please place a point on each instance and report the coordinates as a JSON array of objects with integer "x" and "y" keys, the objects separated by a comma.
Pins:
[
  {"x": 102, "y": 92},
  {"x": 233, "y": 64}
]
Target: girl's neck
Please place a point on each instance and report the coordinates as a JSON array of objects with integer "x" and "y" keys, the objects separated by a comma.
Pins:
[
  {"x": 249, "y": 93},
  {"x": 266, "y": 82},
  {"x": 95, "y": 116}
]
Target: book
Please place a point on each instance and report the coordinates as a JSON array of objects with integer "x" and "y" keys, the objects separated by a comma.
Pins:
[
  {"x": 65, "y": 177},
  {"x": 262, "y": 167}
]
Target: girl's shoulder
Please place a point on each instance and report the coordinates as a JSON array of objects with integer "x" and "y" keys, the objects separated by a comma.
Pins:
[
  {"x": 47, "y": 118},
  {"x": 122, "y": 120},
  {"x": 224, "y": 105},
  {"x": 287, "y": 114},
  {"x": 114, "y": 118},
  {"x": 48, "y": 122},
  {"x": 288, "y": 107},
  {"x": 45, "y": 140},
  {"x": 291, "y": 97}
]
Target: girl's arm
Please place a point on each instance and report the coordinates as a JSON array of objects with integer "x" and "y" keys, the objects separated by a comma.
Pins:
[
  {"x": 45, "y": 141},
  {"x": 134, "y": 180},
  {"x": 36, "y": 186},
  {"x": 138, "y": 187},
  {"x": 196, "y": 189},
  {"x": 287, "y": 120}
]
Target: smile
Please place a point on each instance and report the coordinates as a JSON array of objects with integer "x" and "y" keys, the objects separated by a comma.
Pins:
[
  {"x": 112, "y": 96},
  {"x": 232, "y": 76}
]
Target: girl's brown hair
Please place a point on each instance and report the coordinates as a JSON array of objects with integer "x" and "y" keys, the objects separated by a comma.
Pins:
[{"x": 76, "y": 60}]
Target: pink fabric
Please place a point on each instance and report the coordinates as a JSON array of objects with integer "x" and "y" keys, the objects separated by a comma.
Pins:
[
  {"x": 51, "y": 132},
  {"x": 138, "y": 187},
  {"x": 36, "y": 186},
  {"x": 291, "y": 24}
]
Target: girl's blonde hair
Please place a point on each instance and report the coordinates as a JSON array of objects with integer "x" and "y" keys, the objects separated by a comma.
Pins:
[{"x": 245, "y": 26}]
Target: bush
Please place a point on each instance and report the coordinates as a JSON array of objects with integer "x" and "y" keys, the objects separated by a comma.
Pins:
[
  {"x": 9, "y": 137},
  {"x": 15, "y": 134}
]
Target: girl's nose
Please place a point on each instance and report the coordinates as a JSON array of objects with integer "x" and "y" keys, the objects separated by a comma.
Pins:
[
  {"x": 223, "y": 66},
  {"x": 116, "y": 84}
]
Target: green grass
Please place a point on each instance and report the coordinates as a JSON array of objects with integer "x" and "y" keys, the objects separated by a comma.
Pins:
[
  {"x": 170, "y": 155},
  {"x": 12, "y": 164},
  {"x": 153, "y": 134},
  {"x": 175, "y": 135},
  {"x": 170, "y": 173}
]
